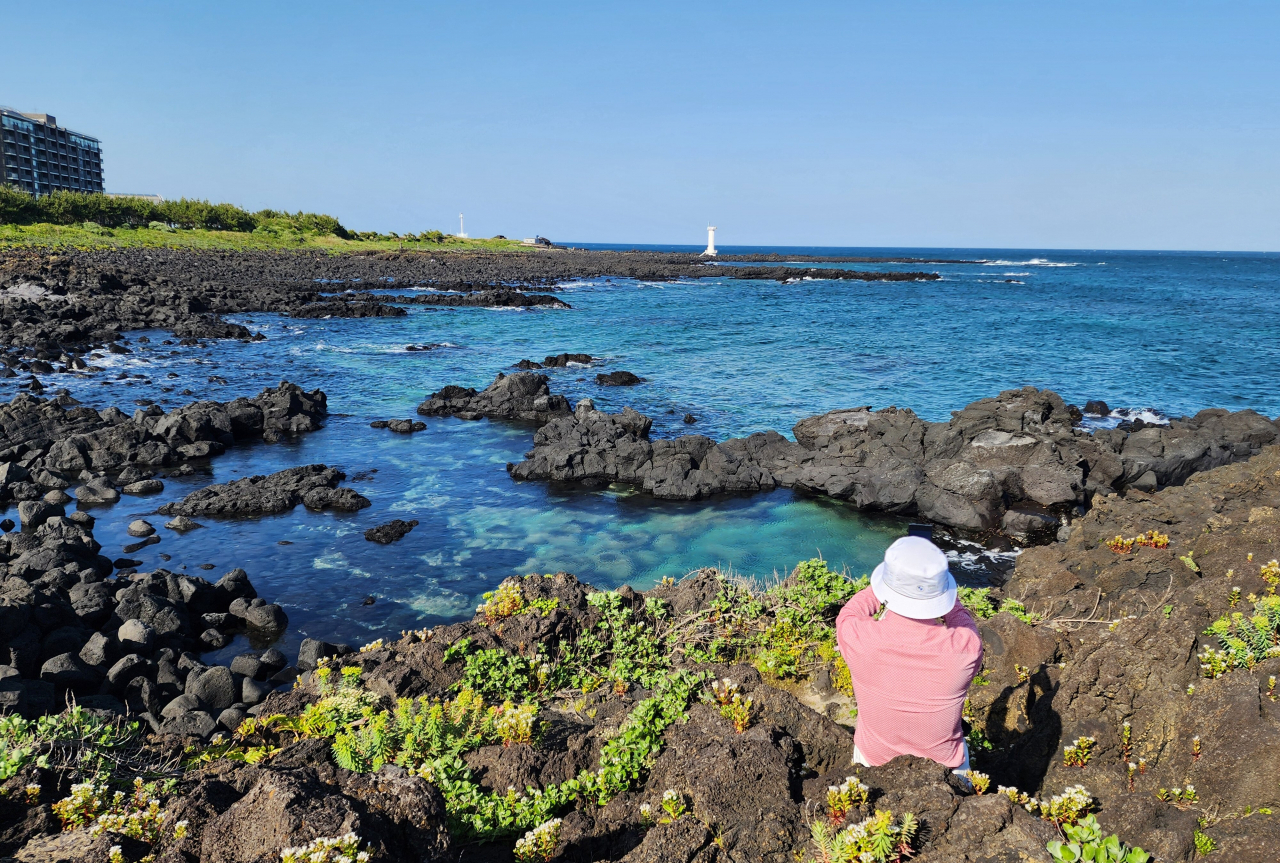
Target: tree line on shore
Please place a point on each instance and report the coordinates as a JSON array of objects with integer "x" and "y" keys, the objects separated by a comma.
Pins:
[{"x": 72, "y": 208}]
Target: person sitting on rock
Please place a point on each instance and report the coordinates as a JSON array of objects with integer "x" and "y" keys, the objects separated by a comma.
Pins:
[{"x": 912, "y": 649}]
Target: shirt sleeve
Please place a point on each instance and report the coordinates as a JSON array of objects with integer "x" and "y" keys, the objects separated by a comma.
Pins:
[
  {"x": 959, "y": 617},
  {"x": 856, "y": 611}
]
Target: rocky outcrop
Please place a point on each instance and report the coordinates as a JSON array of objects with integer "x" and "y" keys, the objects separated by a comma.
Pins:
[
  {"x": 399, "y": 426},
  {"x": 500, "y": 298},
  {"x": 212, "y": 327},
  {"x": 999, "y": 459},
  {"x": 597, "y": 447},
  {"x": 385, "y": 534},
  {"x": 519, "y": 396},
  {"x": 314, "y": 485},
  {"x": 69, "y": 627},
  {"x": 341, "y": 309},
  {"x": 1016, "y": 462},
  {"x": 73, "y": 301},
  {"x": 44, "y": 444},
  {"x": 559, "y": 361},
  {"x": 619, "y": 378},
  {"x": 400, "y": 817},
  {"x": 753, "y": 792},
  {"x": 1122, "y": 643}
]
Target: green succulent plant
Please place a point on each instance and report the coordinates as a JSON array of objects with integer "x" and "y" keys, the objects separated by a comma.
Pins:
[{"x": 1086, "y": 843}]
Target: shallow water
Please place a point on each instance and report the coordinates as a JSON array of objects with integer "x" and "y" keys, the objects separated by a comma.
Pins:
[{"x": 1172, "y": 332}]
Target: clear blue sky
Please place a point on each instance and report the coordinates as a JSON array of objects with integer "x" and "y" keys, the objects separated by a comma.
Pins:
[{"x": 1096, "y": 125}]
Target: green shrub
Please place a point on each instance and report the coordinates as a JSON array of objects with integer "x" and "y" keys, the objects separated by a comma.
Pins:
[
  {"x": 1245, "y": 640},
  {"x": 88, "y": 747},
  {"x": 1205, "y": 844},
  {"x": 801, "y": 635},
  {"x": 879, "y": 839},
  {"x": 501, "y": 675},
  {"x": 419, "y": 731},
  {"x": 980, "y": 604},
  {"x": 539, "y": 844},
  {"x": 1085, "y": 843},
  {"x": 70, "y": 208}
]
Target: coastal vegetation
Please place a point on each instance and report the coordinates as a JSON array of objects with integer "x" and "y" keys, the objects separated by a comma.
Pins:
[{"x": 92, "y": 221}]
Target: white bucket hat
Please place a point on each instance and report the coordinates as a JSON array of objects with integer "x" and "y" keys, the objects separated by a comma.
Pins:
[{"x": 914, "y": 580}]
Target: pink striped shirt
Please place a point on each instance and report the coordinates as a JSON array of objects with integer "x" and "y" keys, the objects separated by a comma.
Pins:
[{"x": 910, "y": 678}]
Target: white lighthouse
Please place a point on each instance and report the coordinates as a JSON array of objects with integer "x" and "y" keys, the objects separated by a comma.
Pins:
[
  {"x": 711, "y": 242},
  {"x": 462, "y": 227}
]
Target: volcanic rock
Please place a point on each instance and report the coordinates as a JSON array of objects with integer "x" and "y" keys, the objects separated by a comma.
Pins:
[
  {"x": 139, "y": 527},
  {"x": 1017, "y": 451},
  {"x": 618, "y": 379},
  {"x": 519, "y": 396},
  {"x": 391, "y": 531},
  {"x": 267, "y": 495}
]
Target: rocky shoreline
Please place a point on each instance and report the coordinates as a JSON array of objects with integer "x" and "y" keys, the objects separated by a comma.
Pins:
[
  {"x": 76, "y": 626},
  {"x": 1017, "y": 464},
  {"x": 1132, "y": 653},
  {"x": 742, "y": 770},
  {"x": 77, "y": 301}
]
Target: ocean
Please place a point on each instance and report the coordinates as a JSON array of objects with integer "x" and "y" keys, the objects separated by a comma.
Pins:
[{"x": 1164, "y": 333}]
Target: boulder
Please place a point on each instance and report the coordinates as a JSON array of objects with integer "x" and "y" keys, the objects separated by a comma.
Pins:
[
  {"x": 390, "y": 532},
  {"x": 340, "y": 499},
  {"x": 215, "y": 687},
  {"x": 192, "y": 723},
  {"x": 232, "y": 718},
  {"x": 139, "y": 527},
  {"x": 265, "y": 495},
  {"x": 34, "y": 513},
  {"x": 144, "y": 486},
  {"x": 618, "y": 379},
  {"x": 265, "y": 617},
  {"x": 136, "y": 635},
  {"x": 519, "y": 396},
  {"x": 97, "y": 491},
  {"x": 313, "y": 650},
  {"x": 125, "y": 670},
  {"x": 70, "y": 671}
]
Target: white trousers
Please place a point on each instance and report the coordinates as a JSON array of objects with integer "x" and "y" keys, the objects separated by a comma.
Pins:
[{"x": 959, "y": 771}]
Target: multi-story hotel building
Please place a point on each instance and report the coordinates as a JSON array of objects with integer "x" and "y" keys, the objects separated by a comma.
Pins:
[{"x": 39, "y": 156}]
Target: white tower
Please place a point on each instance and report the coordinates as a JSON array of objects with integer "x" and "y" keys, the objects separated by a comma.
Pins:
[
  {"x": 462, "y": 228},
  {"x": 711, "y": 242}
]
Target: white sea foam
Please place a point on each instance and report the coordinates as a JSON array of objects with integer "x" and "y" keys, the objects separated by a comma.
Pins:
[
  {"x": 1034, "y": 262},
  {"x": 1150, "y": 416}
]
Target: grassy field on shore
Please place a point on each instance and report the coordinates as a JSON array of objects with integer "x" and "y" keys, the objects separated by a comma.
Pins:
[{"x": 90, "y": 236}]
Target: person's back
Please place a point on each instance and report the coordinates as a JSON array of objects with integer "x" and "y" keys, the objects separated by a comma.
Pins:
[{"x": 912, "y": 651}]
